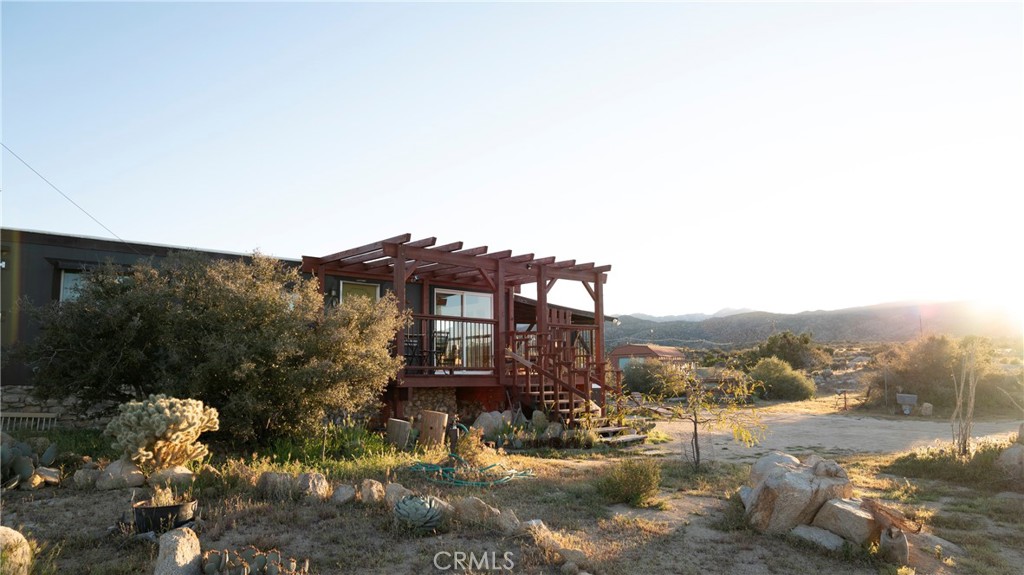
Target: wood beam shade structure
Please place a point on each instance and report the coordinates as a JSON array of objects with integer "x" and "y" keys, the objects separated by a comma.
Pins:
[{"x": 399, "y": 262}]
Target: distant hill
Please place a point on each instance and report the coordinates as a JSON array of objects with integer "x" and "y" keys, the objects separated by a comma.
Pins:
[
  {"x": 880, "y": 323},
  {"x": 691, "y": 316}
]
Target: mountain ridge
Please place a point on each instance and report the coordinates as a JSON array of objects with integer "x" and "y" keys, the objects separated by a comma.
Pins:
[{"x": 885, "y": 322}]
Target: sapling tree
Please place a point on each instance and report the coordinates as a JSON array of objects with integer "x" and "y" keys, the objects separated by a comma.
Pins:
[
  {"x": 974, "y": 357},
  {"x": 717, "y": 403}
]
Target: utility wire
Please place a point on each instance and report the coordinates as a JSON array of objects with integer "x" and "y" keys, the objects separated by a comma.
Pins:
[{"x": 68, "y": 198}]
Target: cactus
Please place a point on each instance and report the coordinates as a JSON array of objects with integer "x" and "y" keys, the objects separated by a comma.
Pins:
[
  {"x": 162, "y": 430},
  {"x": 18, "y": 462},
  {"x": 419, "y": 513},
  {"x": 251, "y": 561}
]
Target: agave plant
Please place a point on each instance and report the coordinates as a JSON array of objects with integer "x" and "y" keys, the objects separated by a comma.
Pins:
[{"x": 420, "y": 513}]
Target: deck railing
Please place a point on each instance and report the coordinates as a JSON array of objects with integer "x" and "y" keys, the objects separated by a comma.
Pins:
[{"x": 436, "y": 345}]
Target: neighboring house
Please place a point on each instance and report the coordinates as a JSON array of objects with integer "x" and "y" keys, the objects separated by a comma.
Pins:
[
  {"x": 640, "y": 352},
  {"x": 473, "y": 340},
  {"x": 45, "y": 267}
]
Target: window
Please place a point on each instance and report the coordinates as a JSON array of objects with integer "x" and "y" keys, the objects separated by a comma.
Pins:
[
  {"x": 470, "y": 343},
  {"x": 353, "y": 289},
  {"x": 70, "y": 284}
]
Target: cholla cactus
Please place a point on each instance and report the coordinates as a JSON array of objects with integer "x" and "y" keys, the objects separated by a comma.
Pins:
[{"x": 162, "y": 430}]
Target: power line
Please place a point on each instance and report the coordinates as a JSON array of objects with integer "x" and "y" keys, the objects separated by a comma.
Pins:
[{"x": 68, "y": 198}]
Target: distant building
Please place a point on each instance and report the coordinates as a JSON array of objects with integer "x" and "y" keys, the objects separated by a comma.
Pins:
[{"x": 623, "y": 354}]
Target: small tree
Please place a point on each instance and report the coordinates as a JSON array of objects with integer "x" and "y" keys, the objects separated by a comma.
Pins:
[
  {"x": 717, "y": 404},
  {"x": 974, "y": 355},
  {"x": 650, "y": 376}
]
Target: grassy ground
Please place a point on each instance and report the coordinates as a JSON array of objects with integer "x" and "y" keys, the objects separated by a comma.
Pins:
[{"x": 691, "y": 523}]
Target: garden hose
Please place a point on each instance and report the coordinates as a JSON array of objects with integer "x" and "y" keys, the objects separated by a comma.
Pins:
[{"x": 460, "y": 475}]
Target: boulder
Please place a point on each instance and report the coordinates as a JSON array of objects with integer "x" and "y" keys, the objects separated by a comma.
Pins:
[
  {"x": 120, "y": 474},
  {"x": 927, "y": 409},
  {"x": 488, "y": 423},
  {"x": 86, "y": 478},
  {"x": 474, "y": 510},
  {"x": 49, "y": 475},
  {"x": 394, "y": 493},
  {"x": 313, "y": 486},
  {"x": 539, "y": 421},
  {"x": 791, "y": 495},
  {"x": 176, "y": 477},
  {"x": 16, "y": 551},
  {"x": 179, "y": 553},
  {"x": 554, "y": 430},
  {"x": 1011, "y": 461},
  {"x": 343, "y": 494},
  {"x": 893, "y": 546},
  {"x": 506, "y": 417},
  {"x": 775, "y": 463},
  {"x": 818, "y": 536},
  {"x": 845, "y": 518},
  {"x": 371, "y": 491},
  {"x": 35, "y": 481},
  {"x": 275, "y": 486},
  {"x": 507, "y": 522},
  {"x": 926, "y": 544}
]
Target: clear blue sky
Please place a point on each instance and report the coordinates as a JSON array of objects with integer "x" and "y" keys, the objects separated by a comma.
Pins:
[{"x": 776, "y": 156}]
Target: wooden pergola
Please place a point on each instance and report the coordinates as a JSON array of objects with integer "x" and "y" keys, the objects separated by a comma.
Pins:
[{"x": 400, "y": 262}]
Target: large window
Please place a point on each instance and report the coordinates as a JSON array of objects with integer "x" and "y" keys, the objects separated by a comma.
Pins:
[{"x": 469, "y": 343}]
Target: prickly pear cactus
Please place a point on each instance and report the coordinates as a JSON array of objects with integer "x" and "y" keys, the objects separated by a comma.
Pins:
[
  {"x": 419, "y": 513},
  {"x": 161, "y": 430},
  {"x": 251, "y": 561}
]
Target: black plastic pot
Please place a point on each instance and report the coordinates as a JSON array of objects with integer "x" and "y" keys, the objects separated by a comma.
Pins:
[{"x": 162, "y": 518}]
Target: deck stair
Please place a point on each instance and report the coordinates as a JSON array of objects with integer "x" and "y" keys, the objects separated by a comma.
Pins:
[{"x": 555, "y": 383}]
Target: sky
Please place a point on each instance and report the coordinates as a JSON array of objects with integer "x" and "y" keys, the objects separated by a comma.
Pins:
[{"x": 778, "y": 156}]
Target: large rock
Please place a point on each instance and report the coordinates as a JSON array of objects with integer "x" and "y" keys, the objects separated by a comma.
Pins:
[
  {"x": 120, "y": 474},
  {"x": 49, "y": 475},
  {"x": 313, "y": 486},
  {"x": 371, "y": 491},
  {"x": 275, "y": 486},
  {"x": 1011, "y": 461},
  {"x": 16, "y": 551},
  {"x": 818, "y": 536},
  {"x": 539, "y": 421},
  {"x": 179, "y": 553},
  {"x": 553, "y": 431},
  {"x": 474, "y": 510},
  {"x": 507, "y": 522},
  {"x": 845, "y": 518},
  {"x": 792, "y": 495},
  {"x": 894, "y": 547},
  {"x": 927, "y": 409},
  {"x": 176, "y": 477},
  {"x": 488, "y": 422},
  {"x": 86, "y": 478},
  {"x": 343, "y": 494},
  {"x": 775, "y": 463},
  {"x": 394, "y": 493}
]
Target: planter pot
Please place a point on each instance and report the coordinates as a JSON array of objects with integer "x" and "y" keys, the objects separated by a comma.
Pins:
[{"x": 162, "y": 518}]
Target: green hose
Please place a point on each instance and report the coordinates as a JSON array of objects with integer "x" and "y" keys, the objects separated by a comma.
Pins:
[{"x": 459, "y": 475}]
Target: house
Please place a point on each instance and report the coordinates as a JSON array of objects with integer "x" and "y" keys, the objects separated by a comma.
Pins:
[
  {"x": 623, "y": 354},
  {"x": 475, "y": 343}
]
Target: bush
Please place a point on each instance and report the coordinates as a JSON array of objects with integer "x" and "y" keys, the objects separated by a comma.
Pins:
[
  {"x": 651, "y": 377},
  {"x": 633, "y": 481},
  {"x": 781, "y": 381},
  {"x": 251, "y": 338},
  {"x": 978, "y": 470}
]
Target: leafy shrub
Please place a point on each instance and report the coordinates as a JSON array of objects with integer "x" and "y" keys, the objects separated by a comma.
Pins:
[
  {"x": 251, "y": 338},
  {"x": 632, "y": 481},
  {"x": 781, "y": 381},
  {"x": 161, "y": 430},
  {"x": 978, "y": 470},
  {"x": 651, "y": 377}
]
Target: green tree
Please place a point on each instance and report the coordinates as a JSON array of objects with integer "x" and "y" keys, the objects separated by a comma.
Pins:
[
  {"x": 780, "y": 381},
  {"x": 975, "y": 354},
  {"x": 249, "y": 337},
  {"x": 716, "y": 405},
  {"x": 798, "y": 351},
  {"x": 651, "y": 377}
]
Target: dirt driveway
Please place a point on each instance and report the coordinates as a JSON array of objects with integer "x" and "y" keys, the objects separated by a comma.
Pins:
[{"x": 833, "y": 433}]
